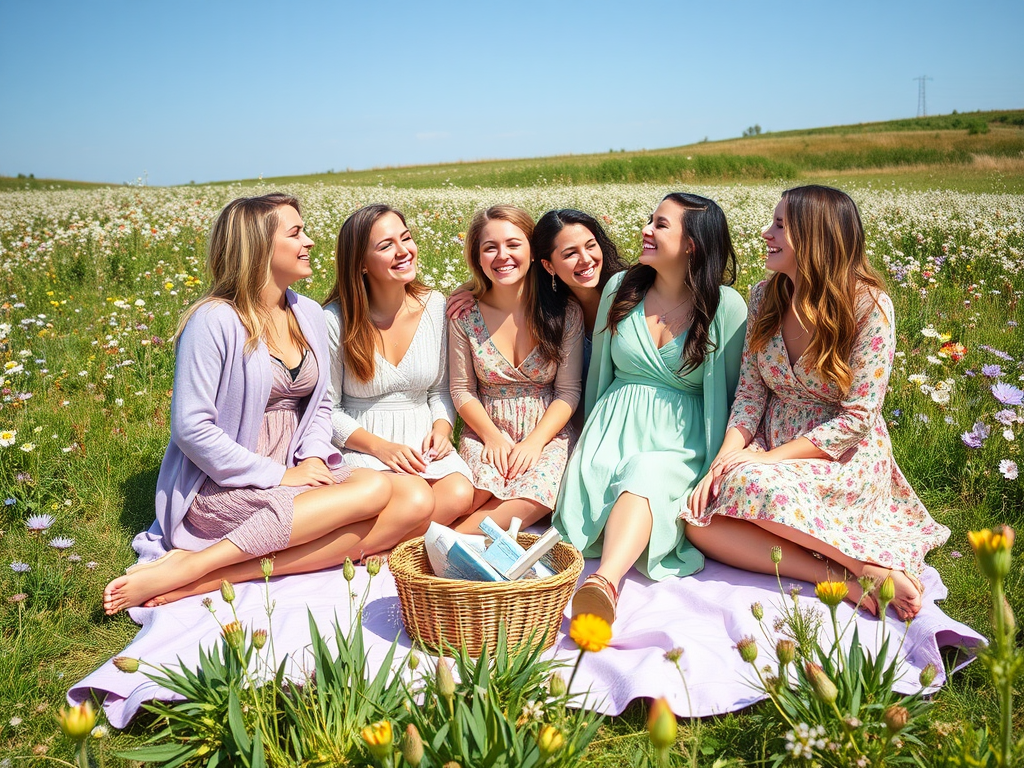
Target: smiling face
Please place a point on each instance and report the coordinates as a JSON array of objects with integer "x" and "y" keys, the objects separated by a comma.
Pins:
[
  {"x": 290, "y": 260},
  {"x": 576, "y": 258},
  {"x": 781, "y": 254},
  {"x": 391, "y": 252},
  {"x": 504, "y": 252},
  {"x": 665, "y": 239}
]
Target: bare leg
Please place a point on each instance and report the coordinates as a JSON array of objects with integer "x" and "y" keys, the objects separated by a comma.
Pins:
[
  {"x": 500, "y": 511},
  {"x": 908, "y": 597},
  {"x": 453, "y": 498},
  {"x": 626, "y": 535},
  {"x": 403, "y": 518},
  {"x": 317, "y": 512},
  {"x": 743, "y": 545}
]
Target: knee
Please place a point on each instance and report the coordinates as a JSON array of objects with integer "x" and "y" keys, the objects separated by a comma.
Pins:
[
  {"x": 459, "y": 497},
  {"x": 415, "y": 500},
  {"x": 377, "y": 488}
]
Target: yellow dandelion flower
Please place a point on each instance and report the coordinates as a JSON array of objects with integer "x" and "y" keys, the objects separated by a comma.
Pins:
[
  {"x": 590, "y": 632},
  {"x": 831, "y": 593}
]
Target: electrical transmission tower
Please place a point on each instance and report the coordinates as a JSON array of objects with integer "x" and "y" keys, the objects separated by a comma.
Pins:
[{"x": 922, "y": 107}]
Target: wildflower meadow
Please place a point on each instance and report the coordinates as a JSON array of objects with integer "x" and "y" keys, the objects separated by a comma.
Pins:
[{"x": 92, "y": 283}]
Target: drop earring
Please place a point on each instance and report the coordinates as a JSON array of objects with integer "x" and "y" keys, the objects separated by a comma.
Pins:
[{"x": 554, "y": 284}]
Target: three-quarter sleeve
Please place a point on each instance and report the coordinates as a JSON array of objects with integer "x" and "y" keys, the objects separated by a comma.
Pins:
[
  {"x": 751, "y": 391},
  {"x": 871, "y": 363},
  {"x": 569, "y": 377},
  {"x": 439, "y": 398},
  {"x": 342, "y": 425},
  {"x": 461, "y": 374}
]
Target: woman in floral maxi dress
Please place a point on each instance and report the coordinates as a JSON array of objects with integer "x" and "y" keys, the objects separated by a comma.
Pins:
[{"x": 807, "y": 457}]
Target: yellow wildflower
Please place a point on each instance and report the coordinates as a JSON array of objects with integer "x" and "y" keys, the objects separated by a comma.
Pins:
[
  {"x": 831, "y": 593},
  {"x": 590, "y": 632},
  {"x": 992, "y": 548},
  {"x": 378, "y": 738}
]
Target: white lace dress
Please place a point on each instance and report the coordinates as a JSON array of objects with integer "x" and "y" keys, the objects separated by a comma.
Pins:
[{"x": 401, "y": 402}]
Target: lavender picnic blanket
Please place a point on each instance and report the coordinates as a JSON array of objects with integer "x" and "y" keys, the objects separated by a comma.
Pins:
[{"x": 705, "y": 614}]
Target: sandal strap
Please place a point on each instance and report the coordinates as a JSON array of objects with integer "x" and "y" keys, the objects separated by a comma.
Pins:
[{"x": 605, "y": 584}]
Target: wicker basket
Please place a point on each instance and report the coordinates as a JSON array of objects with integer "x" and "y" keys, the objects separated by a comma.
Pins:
[{"x": 446, "y": 615}]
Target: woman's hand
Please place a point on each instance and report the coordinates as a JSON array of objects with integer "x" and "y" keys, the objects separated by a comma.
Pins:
[
  {"x": 729, "y": 461},
  {"x": 706, "y": 490},
  {"x": 459, "y": 303},
  {"x": 311, "y": 471},
  {"x": 438, "y": 443},
  {"x": 496, "y": 453},
  {"x": 523, "y": 457},
  {"x": 400, "y": 458}
]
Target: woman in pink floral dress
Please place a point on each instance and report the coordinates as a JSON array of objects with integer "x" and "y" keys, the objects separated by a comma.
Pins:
[
  {"x": 807, "y": 463},
  {"x": 514, "y": 380}
]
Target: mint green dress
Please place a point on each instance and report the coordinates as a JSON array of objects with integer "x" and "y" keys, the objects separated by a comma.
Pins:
[{"x": 649, "y": 431}]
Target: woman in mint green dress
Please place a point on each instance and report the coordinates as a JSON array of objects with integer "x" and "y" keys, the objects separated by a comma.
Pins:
[{"x": 661, "y": 382}]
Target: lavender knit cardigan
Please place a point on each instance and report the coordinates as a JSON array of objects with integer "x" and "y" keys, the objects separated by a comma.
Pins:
[{"x": 220, "y": 396}]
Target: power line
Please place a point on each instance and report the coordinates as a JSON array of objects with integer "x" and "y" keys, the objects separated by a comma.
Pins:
[{"x": 922, "y": 107}]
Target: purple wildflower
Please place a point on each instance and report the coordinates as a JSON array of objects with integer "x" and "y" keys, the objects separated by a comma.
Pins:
[
  {"x": 1006, "y": 417},
  {"x": 10, "y": 501},
  {"x": 1007, "y": 394},
  {"x": 62, "y": 542},
  {"x": 955, "y": 554},
  {"x": 978, "y": 434},
  {"x": 993, "y": 371},
  {"x": 37, "y": 523},
  {"x": 1008, "y": 469},
  {"x": 20, "y": 567}
]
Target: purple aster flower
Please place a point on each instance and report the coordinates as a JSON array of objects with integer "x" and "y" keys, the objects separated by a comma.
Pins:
[
  {"x": 1012, "y": 323},
  {"x": 896, "y": 413},
  {"x": 992, "y": 371},
  {"x": 62, "y": 542},
  {"x": 74, "y": 558},
  {"x": 955, "y": 554},
  {"x": 37, "y": 523},
  {"x": 1006, "y": 417},
  {"x": 1007, "y": 394},
  {"x": 20, "y": 567},
  {"x": 978, "y": 434},
  {"x": 10, "y": 502}
]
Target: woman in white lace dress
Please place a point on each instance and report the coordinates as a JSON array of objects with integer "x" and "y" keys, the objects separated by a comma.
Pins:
[{"x": 389, "y": 376}]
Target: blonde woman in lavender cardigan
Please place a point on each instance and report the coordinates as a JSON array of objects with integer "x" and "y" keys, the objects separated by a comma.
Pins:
[{"x": 250, "y": 469}]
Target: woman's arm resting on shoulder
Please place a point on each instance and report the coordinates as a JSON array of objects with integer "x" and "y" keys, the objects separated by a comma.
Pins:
[{"x": 460, "y": 302}]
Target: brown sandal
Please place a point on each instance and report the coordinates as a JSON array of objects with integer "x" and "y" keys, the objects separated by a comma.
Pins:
[{"x": 596, "y": 596}]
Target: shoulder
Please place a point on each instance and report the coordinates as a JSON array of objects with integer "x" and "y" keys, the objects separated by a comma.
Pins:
[
  {"x": 573, "y": 317},
  {"x": 216, "y": 314},
  {"x": 434, "y": 305},
  {"x": 467, "y": 319},
  {"x": 730, "y": 301},
  {"x": 332, "y": 311},
  {"x": 873, "y": 300},
  {"x": 612, "y": 285}
]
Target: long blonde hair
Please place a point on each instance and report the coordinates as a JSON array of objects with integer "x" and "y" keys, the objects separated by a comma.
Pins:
[
  {"x": 824, "y": 226},
  {"x": 351, "y": 289},
  {"x": 238, "y": 265}
]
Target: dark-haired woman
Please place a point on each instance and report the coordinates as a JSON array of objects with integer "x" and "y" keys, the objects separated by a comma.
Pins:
[
  {"x": 389, "y": 368},
  {"x": 576, "y": 259},
  {"x": 806, "y": 464},
  {"x": 514, "y": 382},
  {"x": 663, "y": 373}
]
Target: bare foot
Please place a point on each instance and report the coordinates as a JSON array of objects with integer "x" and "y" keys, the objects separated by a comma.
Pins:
[
  {"x": 907, "y": 602},
  {"x": 137, "y": 587}
]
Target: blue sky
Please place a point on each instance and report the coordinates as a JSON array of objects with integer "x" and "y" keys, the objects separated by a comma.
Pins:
[{"x": 185, "y": 90}]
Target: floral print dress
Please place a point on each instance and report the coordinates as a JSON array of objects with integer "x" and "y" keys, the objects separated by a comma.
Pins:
[
  {"x": 515, "y": 399},
  {"x": 857, "y": 501}
]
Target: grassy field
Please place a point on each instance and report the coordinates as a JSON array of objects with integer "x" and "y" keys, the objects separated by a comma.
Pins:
[
  {"x": 93, "y": 284},
  {"x": 978, "y": 152}
]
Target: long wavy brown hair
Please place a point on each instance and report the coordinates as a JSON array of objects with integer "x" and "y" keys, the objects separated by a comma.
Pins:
[
  {"x": 548, "y": 339},
  {"x": 359, "y": 334},
  {"x": 711, "y": 265},
  {"x": 238, "y": 265},
  {"x": 825, "y": 229}
]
